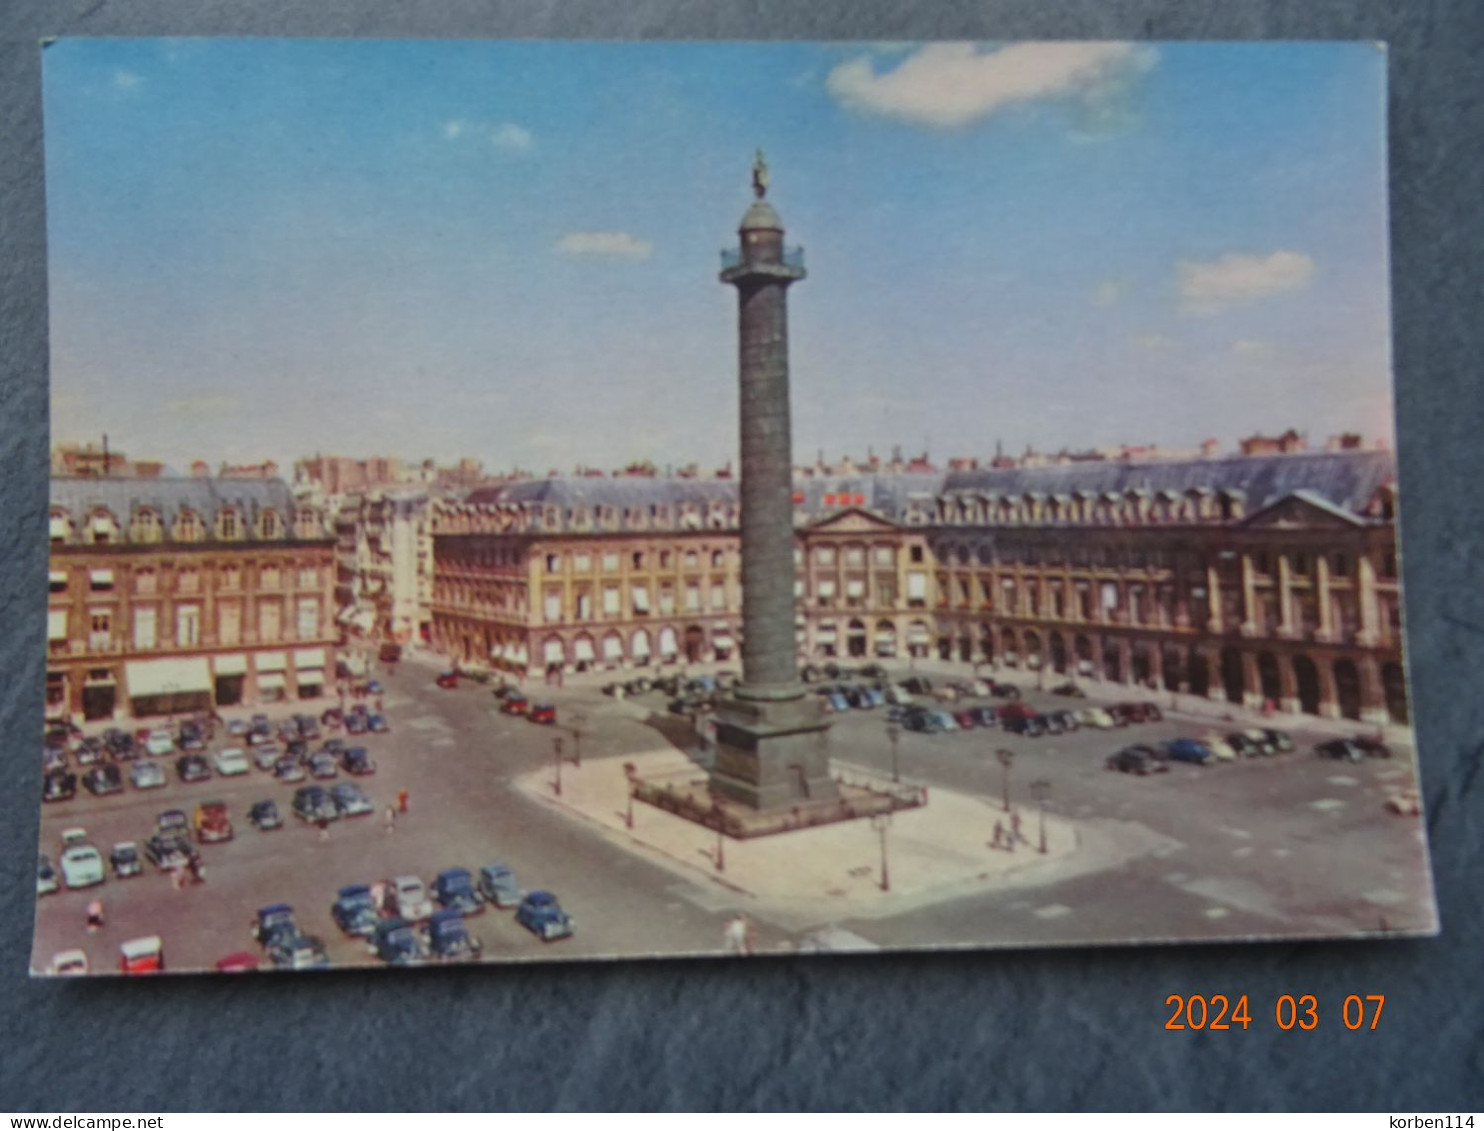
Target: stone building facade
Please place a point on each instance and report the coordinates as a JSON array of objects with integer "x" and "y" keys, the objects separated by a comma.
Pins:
[
  {"x": 384, "y": 565},
  {"x": 1250, "y": 579},
  {"x": 185, "y": 594}
]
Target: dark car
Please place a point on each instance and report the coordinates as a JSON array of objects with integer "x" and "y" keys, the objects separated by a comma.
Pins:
[
  {"x": 447, "y": 679},
  {"x": 1066, "y": 719},
  {"x": 398, "y": 943},
  {"x": 377, "y": 724},
  {"x": 103, "y": 780},
  {"x": 1032, "y": 725},
  {"x": 298, "y": 952},
  {"x": 498, "y": 886},
  {"x": 192, "y": 768},
  {"x": 322, "y": 766},
  {"x": 191, "y": 738},
  {"x": 1137, "y": 760},
  {"x": 308, "y": 727},
  {"x": 1189, "y": 750},
  {"x": 289, "y": 770},
  {"x": 921, "y": 722},
  {"x": 120, "y": 744},
  {"x": 449, "y": 938},
  {"x": 333, "y": 718},
  {"x": 90, "y": 751},
  {"x": 58, "y": 785},
  {"x": 357, "y": 761},
  {"x": 313, "y": 804},
  {"x": 1004, "y": 690},
  {"x": 1125, "y": 714},
  {"x": 272, "y": 923},
  {"x": 355, "y": 723},
  {"x": 1373, "y": 748},
  {"x": 542, "y": 915},
  {"x": 355, "y": 911},
  {"x": 1247, "y": 746},
  {"x": 1069, "y": 688},
  {"x": 984, "y": 716},
  {"x": 169, "y": 850},
  {"x": 1282, "y": 741},
  {"x": 454, "y": 889},
  {"x": 1053, "y": 723},
  {"x": 264, "y": 814},
  {"x": 543, "y": 713},
  {"x": 1341, "y": 749},
  {"x": 126, "y": 860}
]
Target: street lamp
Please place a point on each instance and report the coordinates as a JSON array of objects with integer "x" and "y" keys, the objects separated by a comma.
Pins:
[
  {"x": 1007, "y": 759},
  {"x": 894, "y": 733},
  {"x": 628, "y": 772},
  {"x": 881, "y": 822},
  {"x": 577, "y": 721},
  {"x": 719, "y": 815},
  {"x": 556, "y": 757},
  {"x": 1041, "y": 790}
]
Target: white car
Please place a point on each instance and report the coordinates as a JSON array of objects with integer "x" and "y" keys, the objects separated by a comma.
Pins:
[
  {"x": 265, "y": 757},
  {"x": 231, "y": 762},
  {"x": 411, "y": 898},
  {"x": 82, "y": 866},
  {"x": 68, "y": 962},
  {"x": 159, "y": 743},
  {"x": 74, "y": 837},
  {"x": 1219, "y": 746},
  {"x": 46, "y": 877},
  {"x": 146, "y": 775},
  {"x": 1096, "y": 717}
]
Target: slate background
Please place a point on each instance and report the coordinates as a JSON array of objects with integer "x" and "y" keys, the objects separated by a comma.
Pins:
[{"x": 1007, "y": 1030}]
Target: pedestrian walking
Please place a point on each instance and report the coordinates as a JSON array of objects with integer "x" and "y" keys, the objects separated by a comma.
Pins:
[
  {"x": 324, "y": 828},
  {"x": 999, "y": 836},
  {"x": 391, "y": 818},
  {"x": 95, "y": 916},
  {"x": 735, "y": 935},
  {"x": 198, "y": 873},
  {"x": 402, "y": 801},
  {"x": 178, "y": 878},
  {"x": 1015, "y": 833}
]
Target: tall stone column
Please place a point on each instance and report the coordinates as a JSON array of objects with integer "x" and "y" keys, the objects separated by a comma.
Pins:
[{"x": 772, "y": 739}]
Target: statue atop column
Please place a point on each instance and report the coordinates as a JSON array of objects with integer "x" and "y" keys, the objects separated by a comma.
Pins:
[{"x": 760, "y": 175}]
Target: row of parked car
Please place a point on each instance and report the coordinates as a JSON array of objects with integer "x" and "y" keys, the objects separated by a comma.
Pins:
[
  {"x": 1253, "y": 742},
  {"x": 1017, "y": 717}
]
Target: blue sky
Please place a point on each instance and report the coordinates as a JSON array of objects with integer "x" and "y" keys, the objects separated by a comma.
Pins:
[{"x": 267, "y": 248}]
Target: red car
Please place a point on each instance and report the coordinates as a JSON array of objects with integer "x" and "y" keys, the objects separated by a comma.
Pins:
[
  {"x": 543, "y": 713},
  {"x": 239, "y": 963},
  {"x": 142, "y": 956},
  {"x": 1013, "y": 712},
  {"x": 448, "y": 679},
  {"x": 966, "y": 720},
  {"x": 515, "y": 705}
]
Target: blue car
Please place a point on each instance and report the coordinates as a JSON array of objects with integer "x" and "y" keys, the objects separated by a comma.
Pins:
[
  {"x": 837, "y": 702},
  {"x": 922, "y": 722},
  {"x": 542, "y": 915},
  {"x": 274, "y": 922},
  {"x": 377, "y": 724},
  {"x": 355, "y": 911},
  {"x": 449, "y": 938},
  {"x": 398, "y": 943},
  {"x": 498, "y": 886},
  {"x": 298, "y": 952},
  {"x": 876, "y": 696},
  {"x": 357, "y": 761},
  {"x": 374, "y": 688},
  {"x": 454, "y": 890},
  {"x": 1189, "y": 750}
]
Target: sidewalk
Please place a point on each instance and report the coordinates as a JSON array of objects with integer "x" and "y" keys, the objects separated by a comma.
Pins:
[{"x": 813, "y": 877}]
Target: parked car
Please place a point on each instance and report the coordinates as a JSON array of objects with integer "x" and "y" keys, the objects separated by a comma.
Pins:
[
  {"x": 1137, "y": 760},
  {"x": 89, "y": 751},
  {"x": 264, "y": 815},
  {"x": 231, "y": 762},
  {"x": 449, "y": 679},
  {"x": 542, "y": 915},
  {"x": 454, "y": 889},
  {"x": 449, "y": 939},
  {"x": 82, "y": 866},
  {"x": 1340, "y": 748},
  {"x": 399, "y": 943},
  {"x": 922, "y": 722},
  {"x": 68, "y": 963},
  {"x": 373, "y": 687},
  {"x": 543, "y": 713},
  {"x": 1373, "y": 748},
  {"x": 1096, "y": 717},
  {"x": 308, "y": 727},
  {"x": 272, "y": 923},
  {"x": 515, "y": 705},
  {"x": 142, "y": 956},
  {"x": 1053, "y": 724},
  {"x": 237, "y": 728},
  {"x": 169, "y": 850},
  {"x": 1004, "y": 690},
  {"x": 1189, "y": 750},
  {"x": 985, "y": 716},
  {"x": 58, "y": 785},
  {"x": 1070, "y": 689},
  {"x": 349, "y": 799},
  {"x": 966, "y": 719},
  {"x": 313, "y": 804},
  {"x": 289, "y": 770},
  {"x": 1220, "y": 747},
  {"x": 498, "y": 886},
  {"x": 103, "y": 780},
  {"x": 298, "y": 952},
  {"x": 212, "y": 823},
  {"x": 121, "y": 745},
  {"x": 125, "y": 860},
  {"x": 241, "y": 962},
  {"x": 265, "y": 757},
  {"x": 355, "y": 911},
  {"x": 409, "y": 899},
  {"x": 1282, "y": 741},
  {"x": 357, "y": 761},
  {"x": 158, "y": 743},
  {"x": 322, "y": 766},
  {"x": 191, "y": 738},
  {"x": 1032, "y": 725},
  {"x": 333, "y": 718},
  {"x": 376, "y": 723},
  {"x": 1246, "y": 746},
  {"x": 46, "y": 877},
  {"x": 192, "y": 768},
  {"x": 1067, "y": 719},
  {"x": 945, "y": 720},
  {"x": 146, "y": 775}
]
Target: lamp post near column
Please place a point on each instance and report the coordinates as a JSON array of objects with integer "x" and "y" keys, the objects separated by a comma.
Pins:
[
  {"x": 1007, "y": 759},
  {"x": 894, "y": 733},
  {"x": 881, "y": 822},
  {"x": 556, "y": 757},
  {"x": 720, "y": 816},
  {"x": 577, "y": 720},
  {"x": 628, "y": 773},
  {"x": 1041, "y": 790}
]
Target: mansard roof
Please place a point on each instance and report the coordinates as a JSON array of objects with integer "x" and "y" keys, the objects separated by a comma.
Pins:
[
  {"x": 82, "y": 495},
  {"x": 618, "y": 491}
]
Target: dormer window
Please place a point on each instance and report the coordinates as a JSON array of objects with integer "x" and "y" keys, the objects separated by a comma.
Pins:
[
  {"x": 187, "y": 527},
  {"x": 269, "y": 525},
  {"x": 146, "y": 527},
  {"x": 228, "y": 525},
  {"x": 102, "y": 528}
]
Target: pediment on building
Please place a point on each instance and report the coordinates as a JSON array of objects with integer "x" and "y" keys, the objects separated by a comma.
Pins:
[
  {"x": 1302, "y": 509},
  {"x": 851, "y": 520}
]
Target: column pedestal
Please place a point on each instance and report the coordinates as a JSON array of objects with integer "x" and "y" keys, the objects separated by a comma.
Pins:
[{"x": 772, "y": 754}]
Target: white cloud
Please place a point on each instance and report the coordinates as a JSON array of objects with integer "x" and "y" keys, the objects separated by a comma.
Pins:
[
  {"x": 1232, "y": 280},
  {"x": 949, "y": 85},
  {"x": 454, "y": 128},
  {"x": 510, "y": 136},
  {"x": 1252, "y": 348},
  {"x": 126, "y": 80},
  {"x": 606, "y": 245},
  {"x": 202, "y": 406},
  {"x": 1107, "y": 293},
  {"x": 1154, "y": 343}
]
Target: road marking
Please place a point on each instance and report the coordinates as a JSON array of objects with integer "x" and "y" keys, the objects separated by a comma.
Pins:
[
  {"x": 1217, "y": 912},
  {"x": 1327, "y": 804},
  {"x": 1052, "y": 911}
]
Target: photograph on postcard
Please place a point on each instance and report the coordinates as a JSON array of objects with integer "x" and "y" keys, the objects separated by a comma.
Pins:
[{"x": 523, "y": 501}]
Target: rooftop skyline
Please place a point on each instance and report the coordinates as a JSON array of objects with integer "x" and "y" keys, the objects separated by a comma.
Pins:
[{"x": 508, "y": 251}]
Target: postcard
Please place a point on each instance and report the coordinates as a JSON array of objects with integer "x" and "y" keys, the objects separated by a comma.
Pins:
[{"x": 534, "y": 501}]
